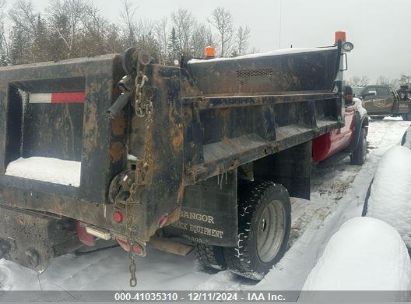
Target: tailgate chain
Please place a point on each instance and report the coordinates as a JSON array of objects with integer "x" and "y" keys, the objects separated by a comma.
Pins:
[
  {"x": 132, "y": 268},
  {"x": 132, "y": 263},
  {"x": 143, "y": 105}
]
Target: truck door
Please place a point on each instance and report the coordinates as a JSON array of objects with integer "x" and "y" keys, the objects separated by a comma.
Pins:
[
  {"x": 341, "y": 138},
  {"x": 387, "y": 100}
]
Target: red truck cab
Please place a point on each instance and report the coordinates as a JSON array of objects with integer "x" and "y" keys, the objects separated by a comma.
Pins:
[{"x": 351, "y": 137}]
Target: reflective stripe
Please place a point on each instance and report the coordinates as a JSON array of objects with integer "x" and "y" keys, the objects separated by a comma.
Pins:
[
  {"x": 62, "y": 97},
  {"x": 40, "y": 98}
]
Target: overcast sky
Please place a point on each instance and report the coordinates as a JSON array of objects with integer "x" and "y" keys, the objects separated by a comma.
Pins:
[{"x": 379, "y": 29}]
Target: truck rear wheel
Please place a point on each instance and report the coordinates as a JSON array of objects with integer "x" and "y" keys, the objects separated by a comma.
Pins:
[
  {"x": 264, "y": 221},
  {"x": 359, "y": 155},
  {"x": 210, "y": 257}
]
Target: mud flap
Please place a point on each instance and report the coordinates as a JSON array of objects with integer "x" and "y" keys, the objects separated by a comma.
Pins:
[
  {"x": 209, "y": 212},
  {"x": 291, "y": 168},
  {"x": 32, "y": 239}
]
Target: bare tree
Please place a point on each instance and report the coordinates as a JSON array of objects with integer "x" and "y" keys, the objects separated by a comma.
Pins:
[
  {"x": 22, "y": 15},
  {"x": 161, "y": 35},
  {"x": 357, "y": 81},
  {"x": 128, "y": 16},
  {"x": 405, "y": 80},
  {"x": 382, "y": 80},
  {"x": 23, "y": 24},
  {"x": 67, "y": 21},
  {"x": 183, "y": 24},
  {"x": 76, "y": 28},
  {"x": 202, "y": 37},
  {"x": 221, "y": 19},
  {"x": 242, "y": 37},
  {"x": 3, "y": 40}
]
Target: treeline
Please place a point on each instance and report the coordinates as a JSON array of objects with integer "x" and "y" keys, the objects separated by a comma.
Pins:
[
  {"x": 395, "y": 83},
  {"x": 76, "y": 28}
]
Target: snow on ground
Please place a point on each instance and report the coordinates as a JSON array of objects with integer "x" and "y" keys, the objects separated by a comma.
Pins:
[
  {"x": 393, "y": 118},
  {"x": 46, "y": 169},
  {"x": 390, "y": 197},
  {"x": 365, "y": 254},
  {"x": 339, "y": 190}
]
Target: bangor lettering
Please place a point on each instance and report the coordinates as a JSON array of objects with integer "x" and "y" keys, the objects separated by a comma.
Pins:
[
  {"x": 206, "y": 231},
  {"x": 200, "y": 230},
  {"x": 198, "y": 217}
]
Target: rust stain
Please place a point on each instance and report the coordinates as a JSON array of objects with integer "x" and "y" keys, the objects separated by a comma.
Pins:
[
  {"x": 91, "y": 128},
  {"x": 177, "y": 139},
  {"x": 116, "y": 151},
  {"x": 118, "y": 125}
]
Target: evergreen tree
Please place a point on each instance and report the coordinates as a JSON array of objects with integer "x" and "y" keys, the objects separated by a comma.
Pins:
[{"x": 173, "y": 46}]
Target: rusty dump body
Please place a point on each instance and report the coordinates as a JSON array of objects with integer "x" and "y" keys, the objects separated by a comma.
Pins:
[{"x": 173, "y": 155}]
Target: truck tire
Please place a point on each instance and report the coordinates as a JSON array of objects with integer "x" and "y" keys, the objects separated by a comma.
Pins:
[
  {"x": 264, "y": 221},
  {"x": 210, "y": 257},
  {"x": 359, "y": 154}
]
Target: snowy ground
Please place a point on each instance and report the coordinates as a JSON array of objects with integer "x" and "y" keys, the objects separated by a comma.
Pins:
[{"x": 339, "y": 190}]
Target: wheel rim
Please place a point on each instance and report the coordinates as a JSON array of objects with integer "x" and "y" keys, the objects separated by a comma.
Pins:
[{"x": 270, "y": 231}]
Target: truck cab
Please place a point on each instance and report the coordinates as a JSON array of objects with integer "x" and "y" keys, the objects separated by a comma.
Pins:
[{"x": 350, "y": 138}]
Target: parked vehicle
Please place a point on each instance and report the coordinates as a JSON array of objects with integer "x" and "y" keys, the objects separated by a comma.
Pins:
[
  {"x": 351, "y": 139},
  {"x": 209, "y": 151},
  {"x": 357, "y": 91},
  {"x": 404, "y": 93},
  {"x": 381, "y": 100}
]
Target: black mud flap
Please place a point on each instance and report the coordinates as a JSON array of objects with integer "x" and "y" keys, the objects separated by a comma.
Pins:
[
  {"x": 32, "y": 239},
  {"x": 209, "y": 213},
  {"x": 290, "y": 168}
]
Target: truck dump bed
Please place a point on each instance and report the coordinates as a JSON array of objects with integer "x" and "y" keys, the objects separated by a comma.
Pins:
[{"x": 182, "y": 127}]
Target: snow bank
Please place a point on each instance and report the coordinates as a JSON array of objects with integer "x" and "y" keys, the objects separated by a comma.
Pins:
[
  {"x": 393, "y": 118},
  {"x": 390, "y": 197},
  {"x": 45, "y": 169},
  {"x": 365, "y": 254},
  {"x": 358, "y": 106},
  {"x": 258, "y": 55}
]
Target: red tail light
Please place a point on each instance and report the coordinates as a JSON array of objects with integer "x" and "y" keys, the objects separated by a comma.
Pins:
[{"x": 118, "y": 217}]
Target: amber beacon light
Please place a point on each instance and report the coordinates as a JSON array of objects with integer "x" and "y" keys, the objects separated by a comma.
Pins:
[
  {"x": 341, "y": 37},
  {"x": 209, "y": 52}
]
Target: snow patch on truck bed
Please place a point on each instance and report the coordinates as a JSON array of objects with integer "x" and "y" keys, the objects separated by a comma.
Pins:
[
  {"x": 390, "y": 198},
  {"x": 258, "y": 55},
  {"x": 365, "y": 254},
  {"x": 45, "y": 169}
]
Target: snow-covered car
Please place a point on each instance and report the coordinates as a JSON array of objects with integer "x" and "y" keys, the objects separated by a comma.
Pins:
[
  {"x": 365, "y": 254},
  {"x": 389, "y": 196}
]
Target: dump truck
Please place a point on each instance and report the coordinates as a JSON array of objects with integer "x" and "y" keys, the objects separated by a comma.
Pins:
[{"x": 204, "y": 154}]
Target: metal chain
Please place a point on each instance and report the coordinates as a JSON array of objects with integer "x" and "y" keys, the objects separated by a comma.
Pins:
[
  {"x": 132, "y": 263},
  {"x": 143, "y": 107},
  {"x": 132, "y": 267}
]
